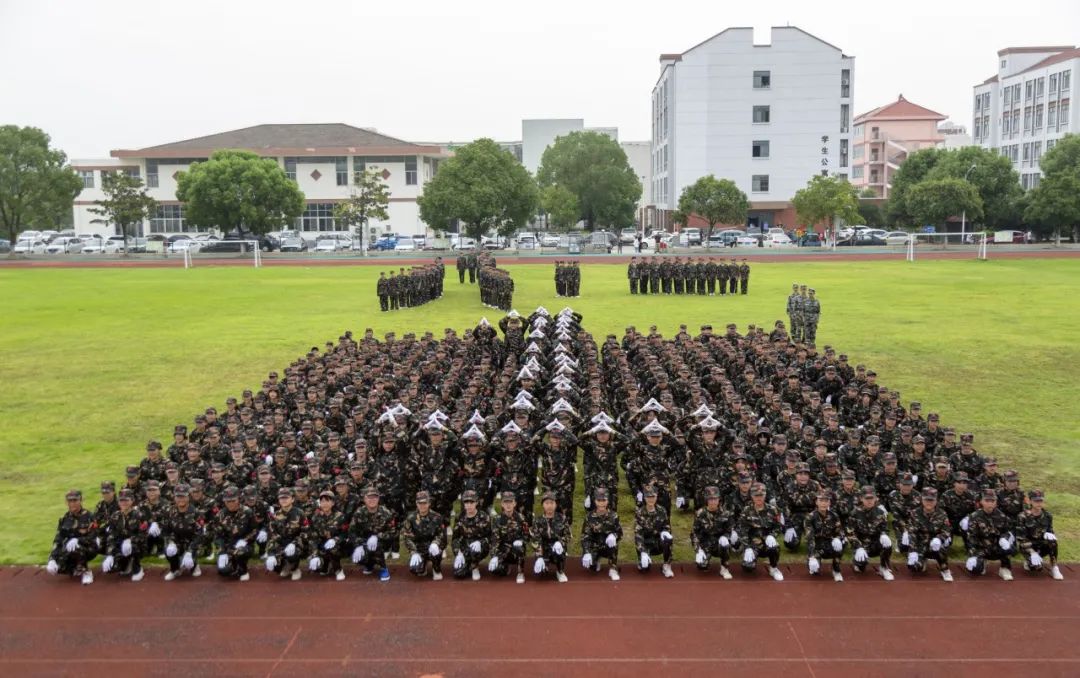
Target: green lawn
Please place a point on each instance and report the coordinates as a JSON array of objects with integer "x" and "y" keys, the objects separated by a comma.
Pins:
[{"x": 95, "y": 362}]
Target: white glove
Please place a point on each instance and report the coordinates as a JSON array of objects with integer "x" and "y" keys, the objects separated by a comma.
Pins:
[
  {"x": 724, "y": 542},
  {"x": 107, "y": 564},
  {"x": 645, "y": 560},
  {"x": 914, "y": 479},
  {"x": 415, "y": 560},
  {"x": 358, "y": 554},
  {"x": 964, "y": 523},
  {"x": 789, "y": 534},
  {"x": 680, "y": 502},
  {"x": 814, "y": 565},
  {"x": 1004, "y": 543},
  {"x": 71, "y": 545},
  {"x": 170, "y": 550},
  {"x": 433, "y": 550},
  {"x": 271, "y": 563},
  {"x": 748, "y": 556},
  {"x": 588, "y": 502},
  {"x": 611, "y": 540},
  {"x": 861, "y": 555},
  {"x": 1036, "y": 559},
  {"x": 272, "y": 511},
  {"x": 1011, "y": 538},
  {"x": 935, "y": 544},
  {"x": 241, "y": 544},
  {"x": 125, "y": 547},
  {"x": 493, "y": 564},
  {"x": 261, "y": 537},
  {"x": 459, "y": 561},
  {"x": 912, "y": 558},
  {"x": 734, "y": 536},
  {"x": 223, "y": 561},
  {"x": 314, "y": 563},
  {"x": 885, "y": 542},
  {"x": 475, "y": 546},
  {"x": 666, "y": 536},
  {"x": 837, "y": 545},
  {"x": 329, "y": 544},
  {"x": 971, "y": 563},
  {"x": 700, "y": 557},
  {"x": 770, "y": 541},
  {"x": 154, "y": 530},
  {"x": 52, "y": 567},
  {"x": 1049, "y": 536},
  {"x": 884, "y": 511},
  {"x": 538, "y": 566},
  {"x": 557, "y": 547},
  {"x": 640, "y": 497},
  {"x": 372, "y": 543},
  {"x": 290, "y": 550},
  {"x": 518, "y": 544},
  {"x": 586, "y": 560},
  {"x": 187, "y": 562},
  {"x": 269, "y": 459},
  {"x": 309, "y": 455},
  {"x": 905, "y": 538}
]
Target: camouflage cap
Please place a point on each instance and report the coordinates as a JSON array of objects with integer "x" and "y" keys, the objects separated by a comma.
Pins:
[
  {"x": 371, "y": 491},
  {"x": 108, "y": 486},
  {"x": 847, "y": 474},
  {"x": 326, "y": 494},
  {"x": 600, "y": 494},
  {"x": 757, "y": 490},
  {"x": 263, "y": 470},
  {"x": 231, "y": 492},
  {"x": 468, "y": 496},
  {"x": 73, "y": 495},
  {"x": 126, "y": 495},
  {"x": 803, "y": 467},
  {"x": 989, "y": 495},
  {"x": 182, "y": 490},
  {"x": 1012, "y": 474},
  {"x": 960, "y": 477},
  {"x": 1036, "y": 495},
  {"x": 131, "y": 471},
  {"x": 745, "y": 478},
  {"x": 508, "y": 496},
  {"x": 152, "y": 485},
  {"x": 868, "y": 491},
  {"x": 547, "y": 496},
  {"x": 930, "y": 494},
  {"x": 824, "y": 495},
  {"x": 284, "y": 492},
  {"x": 918, "y": 439},
  {"x": 907, "y": 479},
  {"x": 712, "y": 492},
  {"x": 422, "y": 497},
  {"x": 341, "y": 480}
]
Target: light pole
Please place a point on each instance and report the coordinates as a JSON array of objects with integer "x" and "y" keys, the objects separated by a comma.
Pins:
[{"x": 963, "y": 216}]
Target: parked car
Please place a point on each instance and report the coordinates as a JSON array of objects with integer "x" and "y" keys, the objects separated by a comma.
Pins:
[
  {"x": 64, "y": 245},
  {"x": 5, "y": 246},
  {"x": 461, "y": 242},
  {"x": 492, "y": 243},
  {"x": 420, "y": 241},
  {"x": 746, "y": 240},
  {"x": 897, "y": 238},
  {"x": 138, "y": 245},
  {"x": 628, "y": 236},
  {"x": 182, "y": 242},
  {"x": 332, "y": 243},
  {"x": 690, "y": 236},
  {"x": 49, "y": 236},
  {"x": 294, "y": 243},
  {"x": 30, "y": 246},
  {"x": 385, "y": 242},
  {"x": 549, "y": 240},
  {"x": 779, "y": 239},
  {"x": 102, "y": 246},
  {"x": 405, "y": 245},
  {"x": 862, "y": 240},
  {"x": 811, "y": 239},
  {"x": 29, "y": 235},
  {"x": 526, "y": 242}
]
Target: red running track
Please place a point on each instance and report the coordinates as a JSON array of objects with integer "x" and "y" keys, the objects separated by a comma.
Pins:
[{"x": 643, "y": 625}]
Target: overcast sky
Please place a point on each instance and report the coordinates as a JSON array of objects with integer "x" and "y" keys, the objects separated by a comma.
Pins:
[{"x": 104, "y": 75}]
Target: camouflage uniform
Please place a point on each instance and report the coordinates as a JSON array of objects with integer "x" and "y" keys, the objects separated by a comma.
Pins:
[
  {"x": 868, "y": 529},
  {"x": 234, "y": 534},
  {"x": 711, "y": 533},
  {"x": 1036, "y": 533},
  {"x": 982, "y": 541},
  {"x": 822, "y": 528},
  {"x": 419, "y": 532},
  {"x": 755, "y": 526},
  {"x": 923, "y": 529},
  {"x": 509, "y": 539},
  {"x": 594, "y": 534},
  {"x": 381, "y": 524},
  {"x": 81, "y": 527},
  {"x": 468, "y": 531},
  {"x": 545, "y": 532},
  {"x": 649, "y": 529}
]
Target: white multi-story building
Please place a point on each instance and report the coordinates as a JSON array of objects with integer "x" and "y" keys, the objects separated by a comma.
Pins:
[
  {"x": 1026, "y": 107},
  {"x": 768, "y": 117},
  {"x": 321, "y": 158}
]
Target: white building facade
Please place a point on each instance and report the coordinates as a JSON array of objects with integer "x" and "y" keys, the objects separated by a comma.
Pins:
[
  {"x": 768, "y": 117},
  {"x": 320, "y": 158},
  {"x": 1023, "y": 110}
]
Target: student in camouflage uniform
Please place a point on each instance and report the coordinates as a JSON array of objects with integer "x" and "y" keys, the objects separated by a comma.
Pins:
[
  {"x": 632, "y": 274},
  {"x": 824, "y": 537},
  {"x": 652, "y": 534},
  {"x": 382, "y": 290},
  {"x": 288, "y": 537},
  {"x": 600, "y": 535},
  {"x": 373, "y": 534},
  {"x": 902, "y": 501},
  {"x": 424, "y": 533},
  {"x": 989, "y": 537},
  {"x": 1036, "y": 537},
  {"x": 471, "y": 539},
  {"x": 868, "y": 535},
  {"x": 733, "y": 275},
  {"x": 509, "y": 539},
  {"x": 125, "y": 538},
  {"x": 794, "y": 302},
  {"x": 75, "y": 543},
  {"x": 461, "y": 265},
  {"x": 744, "y": 277},
  {"x": 326, "y": 538},
  {"x": 233, "y": 531},
  {"x": 183, "y": 530},
  {"x": 551, "y": 539},
  {"x": 712, "y": 532},
  {"x": 811, "y": 315},
  {"x": 758, "y": 526},
  {"x": 929, "y": 535}
]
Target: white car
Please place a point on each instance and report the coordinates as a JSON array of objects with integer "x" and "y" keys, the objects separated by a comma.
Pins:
[
  {"x": 189, "y": 244},
  {"x": 549, "y": 240},
  {"x": 30, "y": 235},
  {"x": 332, "y": 243},
  {"x": 64, "y": 245},
  {"x": 897, "y": 237},
  {"x": 777, "y": 240},
  {"x": 746, "y": 241},
  {"x": 99, "y": 246},
  {"x": 29, "y": 246},
  {"x": 405, "y": 245}
]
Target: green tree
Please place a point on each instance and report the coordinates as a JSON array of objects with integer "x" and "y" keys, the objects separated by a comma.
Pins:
[
  {"x": 561, "y": 206},
  {"x": 483, "y": 187},
  {"x": 1063, "y": 157},
  {"x": 717, "y": 201},
  {"x": 368, "y": 199},
  {"x": 825, "y": 199},
  {"x": 37, "y": 186},
  {"x": 993, "y": 177},
  {"x": 239, "y": 190},
  {"x": 871, "y": 214},
  {"x": 594, "y": 168},
  {"x": 126, "y": 203},
  {"x": 1054, "y": 205},
  {"x": 914, "y": 170},
  {"x": 933, "y": 201}
]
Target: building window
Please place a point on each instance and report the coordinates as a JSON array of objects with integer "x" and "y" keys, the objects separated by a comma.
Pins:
[
  {"x": 1015, "y": 123},
  {"x": 1027, "y": 119},
  {"x": 168, "y": 219},
  {"x": 341, "y": 170},
  {"x": 977, "y": 130},
  {"x": 843, "y": 152},
  {"x": 290, "y": 168},
  {"x": 761, "y": 114},
  {"x": 845, "y": 113},
  {"x": 1065, "y": 77},
  {"x": 1040, "y": 85},
  {"x": 1038, "y": 117},
  {"x": 759, "y": 183},
  {"x": 410, "y": 170},
  {"x": 317, "y": 216},
  {"x": 1003, "y": 63},
  {"x": 1063, "y": 115},
  {"x": 857, "y": 172},
  {"x": 1029, "y": 89},
  {"x": 87, "y": 178},
  {"x": 762, "y": 80},
  {"x": 845, "y": 82},
  {"x": 151, "y": 174},
  {"x": 1051, "y": 116},
  {"x": 759, "y": 149},
  {"x": 1027, "y": 155},
  {"x": 1053, "y": 84},
  {"x": 858, "y": 152},
  {"x": 1036, "y": 153}
]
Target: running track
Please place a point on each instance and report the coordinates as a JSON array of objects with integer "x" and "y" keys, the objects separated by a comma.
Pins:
[{"x": 643, "y": 625}]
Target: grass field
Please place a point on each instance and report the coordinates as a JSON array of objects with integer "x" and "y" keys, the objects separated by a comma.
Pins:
[{"x": 95, "y": 362}]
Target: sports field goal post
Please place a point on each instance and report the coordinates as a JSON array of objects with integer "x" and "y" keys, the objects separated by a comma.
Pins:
[
  {"x": 944, "y": 242},
  {"x": 251, "y": 246}
]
